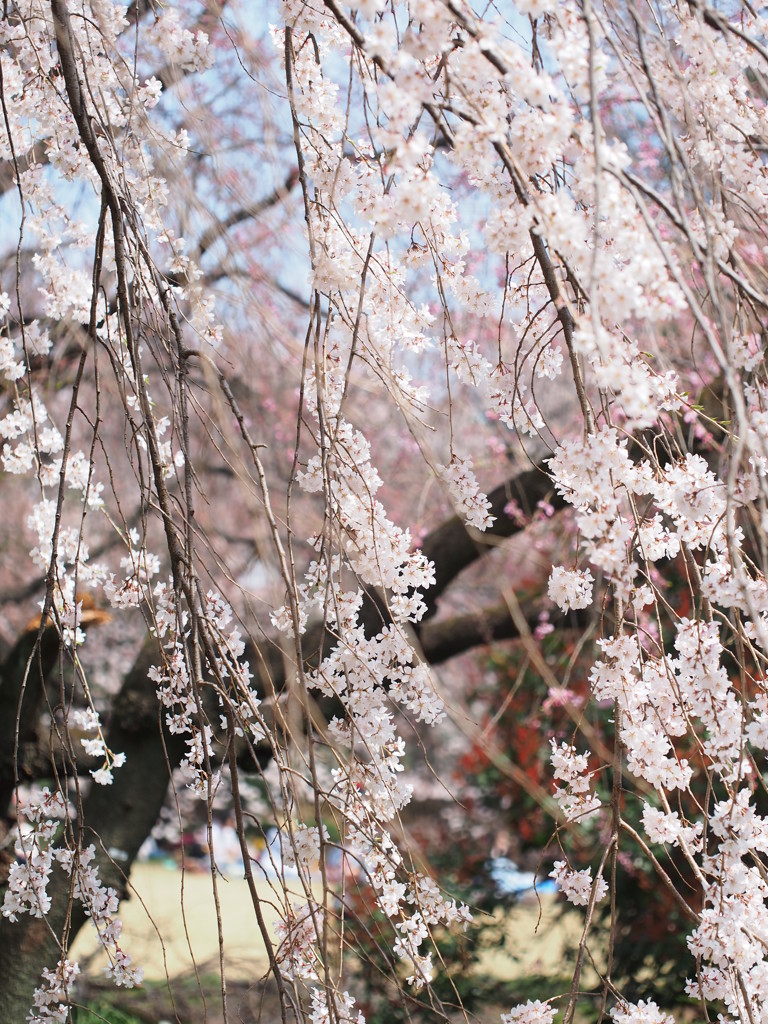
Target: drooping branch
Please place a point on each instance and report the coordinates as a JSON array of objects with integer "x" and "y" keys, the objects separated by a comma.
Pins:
[
  {"x": 137, "y": 10},
  {"x": 127, "y": 810}
]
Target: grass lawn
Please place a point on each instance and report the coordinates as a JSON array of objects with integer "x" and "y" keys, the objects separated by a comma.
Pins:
[{"x": 169, "y": 924}]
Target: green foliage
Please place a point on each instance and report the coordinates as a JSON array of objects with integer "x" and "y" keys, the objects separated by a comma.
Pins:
[
  {"x": 102, "y": 1011},
  {"x": 650, "y": 954}
]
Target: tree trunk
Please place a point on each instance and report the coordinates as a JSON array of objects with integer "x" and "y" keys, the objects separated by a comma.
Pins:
[{"x": 123, "y": 813}]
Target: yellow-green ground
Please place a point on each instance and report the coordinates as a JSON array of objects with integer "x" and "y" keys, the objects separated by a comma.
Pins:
[{"x": 169, "y": 924}]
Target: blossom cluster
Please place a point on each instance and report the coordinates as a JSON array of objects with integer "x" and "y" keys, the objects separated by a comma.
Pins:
[
  {"x": 39, "y": 848},
  {"x": 578, "y": 886},
  {"x": 563, "y": 282},
  {"x": 576, "y": 800}
]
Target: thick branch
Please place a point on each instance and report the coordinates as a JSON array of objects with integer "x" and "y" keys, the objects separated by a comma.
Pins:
[
  {"x": 446, "y": 638},
  {"x": 442, "y": 639},
  {"x": 22, "y": 699},
  {"x": 453, "y": 546},
  {"x": 243, "y": 213}
]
